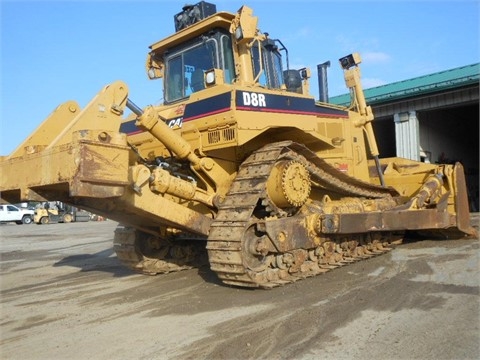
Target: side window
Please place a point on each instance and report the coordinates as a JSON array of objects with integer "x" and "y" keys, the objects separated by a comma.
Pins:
[
  {"x": 11, "y": 208},
  {"x": 257, "y": 66},
  {"x": 175, "y": 79},
  {"x": 228, "y": 62},
  {"x": 271, "y": 64},
  {"x": 274, "y": 68}
]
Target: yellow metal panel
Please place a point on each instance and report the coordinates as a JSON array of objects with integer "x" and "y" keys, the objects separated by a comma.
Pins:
[{"x": 48, "y": 129}]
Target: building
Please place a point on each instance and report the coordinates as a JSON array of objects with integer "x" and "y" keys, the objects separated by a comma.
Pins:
[{"x": 432, "y": 118}]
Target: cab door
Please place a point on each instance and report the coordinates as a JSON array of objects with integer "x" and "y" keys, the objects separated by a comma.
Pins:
[{"x": 12, "y": 213}]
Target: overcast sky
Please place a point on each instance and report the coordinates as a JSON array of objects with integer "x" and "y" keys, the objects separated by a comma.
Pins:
[{"x": 56, "y": 51}]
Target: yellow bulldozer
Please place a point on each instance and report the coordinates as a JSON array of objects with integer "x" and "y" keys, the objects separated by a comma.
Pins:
[{"x": 239, "y": 166}]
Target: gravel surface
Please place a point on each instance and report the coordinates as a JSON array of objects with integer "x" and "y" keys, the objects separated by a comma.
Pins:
[{"x": 64, "y": 295}]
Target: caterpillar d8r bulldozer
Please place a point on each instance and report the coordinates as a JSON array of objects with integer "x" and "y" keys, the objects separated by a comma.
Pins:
[{"x": 239, "y": 166}]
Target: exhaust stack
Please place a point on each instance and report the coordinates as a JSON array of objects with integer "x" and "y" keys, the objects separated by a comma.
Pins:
[{"x": 323, "y": 82}]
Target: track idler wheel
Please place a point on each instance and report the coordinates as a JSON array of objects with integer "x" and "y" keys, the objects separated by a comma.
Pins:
[
  {"x": 289, "y": 184},
  {"x": 255, "y": 252}
]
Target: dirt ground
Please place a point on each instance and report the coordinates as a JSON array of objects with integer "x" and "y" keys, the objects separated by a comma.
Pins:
[{"x": 64, "y": 295}]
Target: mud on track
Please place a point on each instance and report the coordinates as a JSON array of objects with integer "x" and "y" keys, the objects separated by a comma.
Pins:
[{"x": 65, "y": 295}]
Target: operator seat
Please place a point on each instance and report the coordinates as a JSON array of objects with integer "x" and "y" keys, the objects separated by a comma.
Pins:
[{"x": 197, "y": 81}]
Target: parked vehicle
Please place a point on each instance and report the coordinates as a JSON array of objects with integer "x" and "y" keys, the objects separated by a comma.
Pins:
[
  {"x": 46, "y": 214},
  {"x": 12, "y": 213}
]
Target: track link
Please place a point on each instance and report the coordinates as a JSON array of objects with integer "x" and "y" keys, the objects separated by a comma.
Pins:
[
  {"x": 139, "y": 256},
  {"x": 236, "y": 214}
]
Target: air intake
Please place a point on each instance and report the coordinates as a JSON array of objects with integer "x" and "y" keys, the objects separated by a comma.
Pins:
[{"x": 192, "y": 14}]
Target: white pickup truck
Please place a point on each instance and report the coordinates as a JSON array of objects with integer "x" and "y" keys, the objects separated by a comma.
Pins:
[{"x": 11, "y": 213}]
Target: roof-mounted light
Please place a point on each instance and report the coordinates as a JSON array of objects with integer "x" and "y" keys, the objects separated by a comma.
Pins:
[
  {"x": 350, "y": 61},
  {"x": 238, "y": 33}
]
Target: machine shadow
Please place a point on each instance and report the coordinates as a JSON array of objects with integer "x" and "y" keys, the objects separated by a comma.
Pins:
[
  {"x": 106, "y": 261},
  {"x": 102, "y": 261}
]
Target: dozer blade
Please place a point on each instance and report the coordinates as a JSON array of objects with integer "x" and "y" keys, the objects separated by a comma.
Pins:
[{"x": 461, "y": 202}]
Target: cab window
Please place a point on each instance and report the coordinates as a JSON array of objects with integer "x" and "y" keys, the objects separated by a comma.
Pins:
[
  {"x": 227, "y": 57},
  {"x": 186, "y": 69},
  {"x": 185, "y": 65},
  {"x": 269, "y": 71}
]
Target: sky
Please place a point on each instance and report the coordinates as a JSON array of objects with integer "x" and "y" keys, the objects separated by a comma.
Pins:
[{"x": 55, "y": 51}]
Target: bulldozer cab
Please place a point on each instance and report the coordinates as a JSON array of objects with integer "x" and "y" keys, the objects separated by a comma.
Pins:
[
  {"x": 203, "y": 53},
  {"x": 186, "y": 64}
]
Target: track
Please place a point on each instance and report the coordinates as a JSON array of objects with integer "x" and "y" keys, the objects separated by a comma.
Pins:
[
  {"x": 153, "y": 256},
  {"x": 235, "y": 223}
]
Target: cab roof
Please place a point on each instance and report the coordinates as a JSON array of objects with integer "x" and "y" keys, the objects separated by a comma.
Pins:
[{"x": 218, "y": 20}]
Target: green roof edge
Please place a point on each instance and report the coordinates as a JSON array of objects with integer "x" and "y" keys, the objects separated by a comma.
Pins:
[{"x": 435, "y": 82}]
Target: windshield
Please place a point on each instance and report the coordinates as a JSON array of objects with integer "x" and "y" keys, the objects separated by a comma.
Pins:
[{"x": 186, "y": 65}]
